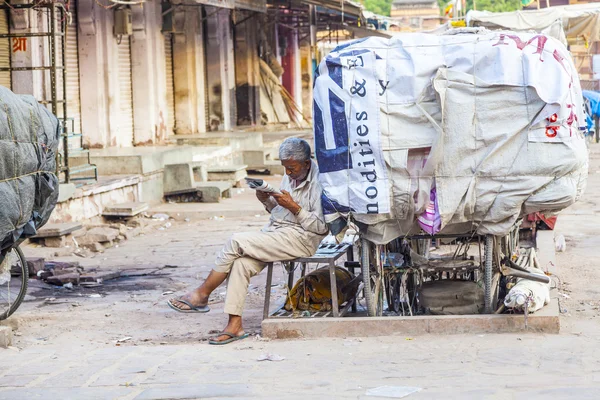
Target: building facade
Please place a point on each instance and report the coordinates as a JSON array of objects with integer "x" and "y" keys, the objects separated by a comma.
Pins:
[
  {"x": 416, "y": 15},
  {"x": 136, "y": 75}
]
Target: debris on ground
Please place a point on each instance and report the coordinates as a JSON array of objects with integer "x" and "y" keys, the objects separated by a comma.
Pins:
[
  {"x": 560, "y": 243},
  {"x": 68, "y": 274},
  {"x": 270, "y": 357},
  {"x": 394, "y": 392},
  {"x": 95, "y": 238},
  {"x": 160, "y": 217}
]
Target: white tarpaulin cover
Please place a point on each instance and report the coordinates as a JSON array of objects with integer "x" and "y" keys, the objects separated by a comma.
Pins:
[
  {"x": 581, "y": 20},
  {"x": 487, "y": 126}
]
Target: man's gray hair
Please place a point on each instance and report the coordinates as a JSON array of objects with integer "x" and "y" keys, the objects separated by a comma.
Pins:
[{"x": 294, "y": 149}]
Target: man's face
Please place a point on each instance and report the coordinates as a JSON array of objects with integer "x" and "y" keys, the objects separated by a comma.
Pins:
[{"x": 296, "y": 170}]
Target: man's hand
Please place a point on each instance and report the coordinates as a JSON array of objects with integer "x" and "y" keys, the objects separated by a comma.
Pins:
[
  {"x": 262, "y": 196},
  {"x": 285, "y": 200}
]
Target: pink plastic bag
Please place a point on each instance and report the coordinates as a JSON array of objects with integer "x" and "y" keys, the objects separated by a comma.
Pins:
[{"x": 430, "y": 221}]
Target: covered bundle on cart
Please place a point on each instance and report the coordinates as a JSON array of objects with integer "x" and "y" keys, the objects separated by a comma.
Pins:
[
  {"x": 29, "y": 137},
  {"x": 462, "y": 133}
]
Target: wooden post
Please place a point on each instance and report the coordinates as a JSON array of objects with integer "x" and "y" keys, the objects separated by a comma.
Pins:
[{"x": 268, "y": 290}]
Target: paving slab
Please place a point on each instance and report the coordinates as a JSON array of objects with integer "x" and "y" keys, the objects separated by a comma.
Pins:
[
  {"x": 86, "y": 393},
  {"x": 196, "y": 391},
  {"x": 57, "y": 230},
  {"x": 125, "y": 209},
  {"x": 545, "y": 321}
]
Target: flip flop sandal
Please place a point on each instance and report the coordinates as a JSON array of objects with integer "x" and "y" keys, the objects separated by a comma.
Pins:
[
  {"x": 232, "y": 338},
  {"x": 193, "y": 309}
]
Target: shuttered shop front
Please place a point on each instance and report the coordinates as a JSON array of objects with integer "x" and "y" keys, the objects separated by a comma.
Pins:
[
  {"x": 72, "y": 65},
  {"x": 170, "y": 83},
  {"x": 125, "y": 124},
  {"x": 4, "y": 50}
]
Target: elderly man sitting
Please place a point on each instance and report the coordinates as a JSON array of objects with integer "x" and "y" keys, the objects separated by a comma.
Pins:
[{"x": 295, "y": 230}]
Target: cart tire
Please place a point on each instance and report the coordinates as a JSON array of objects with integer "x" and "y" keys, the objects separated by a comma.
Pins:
[
  {"x": 373, "y": 295},
  {"x": 487, "y": 274},
  {"x": 19, "y": 277}
]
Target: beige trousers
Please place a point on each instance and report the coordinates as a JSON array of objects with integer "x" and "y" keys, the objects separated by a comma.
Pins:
[{"x": 246, "y": 254}]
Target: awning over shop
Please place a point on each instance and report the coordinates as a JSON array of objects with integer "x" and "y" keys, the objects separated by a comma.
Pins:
[
  {"x": 214, "y": 3},
  {"x": 363, "y": 32},
  {"x": 252, "y": 5},
  {"x": 566, "y": 23},
  {"x": 350, "y": 8}
]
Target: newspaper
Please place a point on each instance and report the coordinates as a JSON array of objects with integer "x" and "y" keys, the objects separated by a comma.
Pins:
[{"x": 261, "y": 185}]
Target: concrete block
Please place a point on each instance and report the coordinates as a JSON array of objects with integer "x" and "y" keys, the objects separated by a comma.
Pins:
[
  {"x": 56, "y": 230},
  {"x": 254, "y": 157},
  {"x": 96, "y": 247},
  {"x": 206, "y": 192},
  {"x": 35, "y": 265},
  {"x": 546, "y": 320},
  {"x": 13, "y": 323},
  {"x": 200, "y": 172},
  {"x": 100, "y": 235},
  {"x": 271, "y": 167},
  {"x": 6, "y": 336},
  {"x": 58, "y": 241},
  {"x": 178, "y": 177},
  {"x": 125, "y": 209},
  {"x": 234, "y": 174},
  {"x": 66, "y": 191},
  {"x": 212, "y": 192}
]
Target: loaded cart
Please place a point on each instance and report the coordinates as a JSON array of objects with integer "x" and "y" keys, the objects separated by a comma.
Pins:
[{"x": 435, "y": 147}]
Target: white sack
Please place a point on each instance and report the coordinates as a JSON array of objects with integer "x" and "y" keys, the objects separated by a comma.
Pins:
[{"x": 493, "y": 120}]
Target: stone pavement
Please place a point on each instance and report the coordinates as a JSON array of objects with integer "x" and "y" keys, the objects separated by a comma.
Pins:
[{"x": 451, "y": 367}]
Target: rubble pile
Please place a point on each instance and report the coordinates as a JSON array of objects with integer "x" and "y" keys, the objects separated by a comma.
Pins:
[
  {"x": 68, "y": 273},
  {"x": 95, "y": 238}
]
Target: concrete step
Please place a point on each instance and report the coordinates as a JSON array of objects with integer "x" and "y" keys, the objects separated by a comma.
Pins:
[
  {"x": 183, "y": 176},
  {"x": 258, "y": 156},
  {"x": 233, "y": 173},
  {"x": 150, "y": 159},
  {"x": 267, "y": 167},
  {"x": 236, "y": 140},
  {"x": 206, "y": 192},
  {"x": 546, "y": 320}
]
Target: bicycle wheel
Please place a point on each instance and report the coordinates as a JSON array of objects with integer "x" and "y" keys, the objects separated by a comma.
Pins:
[
  {"x": 373, "y": 281},
  {"x": 14, "y": 277}
]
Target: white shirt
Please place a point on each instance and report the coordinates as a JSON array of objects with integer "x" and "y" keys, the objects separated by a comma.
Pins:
[{"x": 310, "y": 219}]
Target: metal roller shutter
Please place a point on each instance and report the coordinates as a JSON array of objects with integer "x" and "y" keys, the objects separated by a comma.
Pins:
[
  {"x": 125, "y": 126},
  {"x": 170, "y": 83},
  {"x": 72, "y": 65},
  {"x": 4, "y": 51}
]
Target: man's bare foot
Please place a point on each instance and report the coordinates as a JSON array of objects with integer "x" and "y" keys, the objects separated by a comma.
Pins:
[
  {"x": 234, "y": 327},
  {"x": 195, "y": 298}
]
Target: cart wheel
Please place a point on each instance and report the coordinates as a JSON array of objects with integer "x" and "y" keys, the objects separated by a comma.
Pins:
[
  {"x": 14, "y": 277},
  {"x": 373, "y": 281},
  {"x": 488, "y": 273}
]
